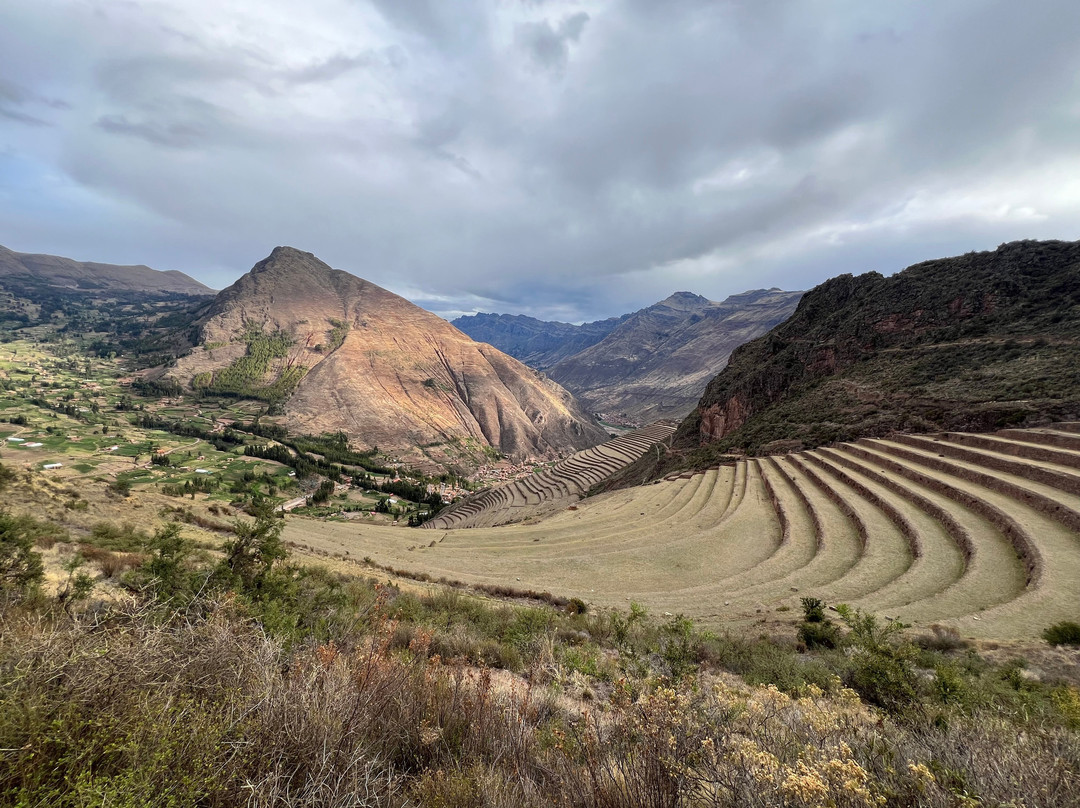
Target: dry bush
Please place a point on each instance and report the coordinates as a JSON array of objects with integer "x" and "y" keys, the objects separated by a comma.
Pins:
[
  {"x": 757, "y": 747},
  {"x": 212, "y": 712},
  {"x": 45, "y": 541},
  {"x": 943, "y": 638},
  {"x": 111, "y": 563},
  {"x": 203, "y": 708}
]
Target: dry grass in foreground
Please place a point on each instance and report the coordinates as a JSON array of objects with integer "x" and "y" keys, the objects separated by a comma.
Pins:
[
  {"x": 239, "y": 678},
  {"x": 122, "y": 708}
]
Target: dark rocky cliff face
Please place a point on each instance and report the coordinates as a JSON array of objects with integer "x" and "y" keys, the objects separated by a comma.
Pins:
[{"x": 980, "y": 341}]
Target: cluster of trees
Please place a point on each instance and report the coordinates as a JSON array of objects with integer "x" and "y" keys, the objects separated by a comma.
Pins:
[
  {"x": 223, "y": 441},
  {"x": 244, "y": 378},
  {"x": 205, "y": 484}
]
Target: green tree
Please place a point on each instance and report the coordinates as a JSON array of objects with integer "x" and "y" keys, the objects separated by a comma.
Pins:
[
  {"x": 249, "y": 559},
  {"x": 21, "y": 569},
  {"x": 166, "y": 565}
]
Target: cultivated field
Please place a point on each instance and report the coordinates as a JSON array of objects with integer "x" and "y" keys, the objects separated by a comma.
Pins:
[
  {"x": 554, "y": 488},
  {"x": 977, "y": 531}
]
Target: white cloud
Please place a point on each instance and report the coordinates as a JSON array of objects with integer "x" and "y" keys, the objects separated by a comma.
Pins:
[{"x": 584, "y": 158}]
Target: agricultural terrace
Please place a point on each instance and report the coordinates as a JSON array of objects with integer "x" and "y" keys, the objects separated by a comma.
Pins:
[
  {"x": 978, "y": 532},
  {"x": 549, "y": 489}
]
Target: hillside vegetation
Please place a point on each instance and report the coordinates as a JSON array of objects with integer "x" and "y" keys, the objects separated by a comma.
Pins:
[
  {"x": 236, "y": 677},
  {"x": 246, "y": 377},
  {"x": 981, "y": 341}
]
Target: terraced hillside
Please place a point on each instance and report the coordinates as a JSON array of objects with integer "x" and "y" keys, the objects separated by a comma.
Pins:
[
  {"x": 980, "y": 531},
  {"x": 547, "y": 491}
]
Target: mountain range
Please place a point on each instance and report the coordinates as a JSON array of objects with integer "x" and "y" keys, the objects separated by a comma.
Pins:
[
  {"x": 975, "y": 342},
  {"x": 537, "y": 343},
  {"x": 643, "y": 366}
]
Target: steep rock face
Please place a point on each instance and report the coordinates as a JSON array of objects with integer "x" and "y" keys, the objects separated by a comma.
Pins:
[
  {"x": 537, "y": 343},
  {"x": 654, "y": 364},
  {"x": 976, "y": 342},
  {"x": 64, "y": 273},
  {"x": 358, "y": 358}
]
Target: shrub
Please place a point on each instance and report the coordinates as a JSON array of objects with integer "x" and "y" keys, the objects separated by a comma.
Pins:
[
  {"x": 813, "y": 610},
  {"x": 944, "y": 638},
  {"x": 880, "y": 666},
  {"x": 21, "y": 569},
  {"x": 819, "y": 635},
  {"x": 124, "y": 538},
  {"x": 6, "y": 476},
  {"x": 817, "y": 631},
  {"x": 1064, "y": 633}
]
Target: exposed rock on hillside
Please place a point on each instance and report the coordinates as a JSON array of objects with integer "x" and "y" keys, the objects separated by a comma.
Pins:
[
  {"x": 655, "y": 363},
  {"x": 977, "y": 342},
  {"x": 341, "y": 353},
  {"x": 64, "y": 273},
  {"x": 537, "y": 343}
]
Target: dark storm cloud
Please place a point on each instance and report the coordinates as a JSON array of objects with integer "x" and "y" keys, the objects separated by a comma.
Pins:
[
  {"x": 550, "y": 46},
  {"x": 567, "y": 158}
]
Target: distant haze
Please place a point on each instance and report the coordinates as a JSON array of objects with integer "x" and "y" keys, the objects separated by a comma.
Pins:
[{"x": 566, "y": 160}]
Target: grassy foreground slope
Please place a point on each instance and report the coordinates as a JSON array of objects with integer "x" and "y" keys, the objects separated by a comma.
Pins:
[
  {"x": 234, "y": 676},
  {"x": 977, "y": 342}
]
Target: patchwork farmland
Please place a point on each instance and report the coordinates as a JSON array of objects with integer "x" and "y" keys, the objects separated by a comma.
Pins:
[{"x": 981, "y": 532}]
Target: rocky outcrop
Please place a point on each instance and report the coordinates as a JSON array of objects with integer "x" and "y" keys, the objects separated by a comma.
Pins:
[
  {"x": 655, "y": 363},
  {"x": 973, "y": 343},
  {"x": 347, "y": 355}
]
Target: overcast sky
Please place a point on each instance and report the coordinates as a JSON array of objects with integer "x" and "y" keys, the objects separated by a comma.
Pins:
[{"x": 570, "y": 160}]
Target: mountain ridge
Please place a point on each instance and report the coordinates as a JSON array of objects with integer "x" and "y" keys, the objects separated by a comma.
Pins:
[
  {"x": 537, "y": 343},
  {"x": 92, "y": 276},
  {"x": 655, "y": 362}
]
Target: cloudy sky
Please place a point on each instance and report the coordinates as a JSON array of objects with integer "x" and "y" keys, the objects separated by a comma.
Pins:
[{"x": 570, "y": 160}]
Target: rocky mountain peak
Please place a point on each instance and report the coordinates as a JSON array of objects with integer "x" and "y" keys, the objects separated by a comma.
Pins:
[
  {"x": 347, "y": 355},
  {"x": 685, "y": 300},
  {"x": 656, "y": 361}
]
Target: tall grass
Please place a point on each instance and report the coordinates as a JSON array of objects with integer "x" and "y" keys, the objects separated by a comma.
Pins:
[{"x": 122, "y": 708}]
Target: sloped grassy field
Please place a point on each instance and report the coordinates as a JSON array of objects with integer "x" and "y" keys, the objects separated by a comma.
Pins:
[{"x": 980, "y": 532}]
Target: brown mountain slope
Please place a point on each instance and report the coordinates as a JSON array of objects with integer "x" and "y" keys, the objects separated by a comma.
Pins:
[
  {"x": 972, "y": 343},
  {"x": 655, "y": 363},
  {"x": 65, "y": 273},
  {"x": 345, "y": 354}
]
